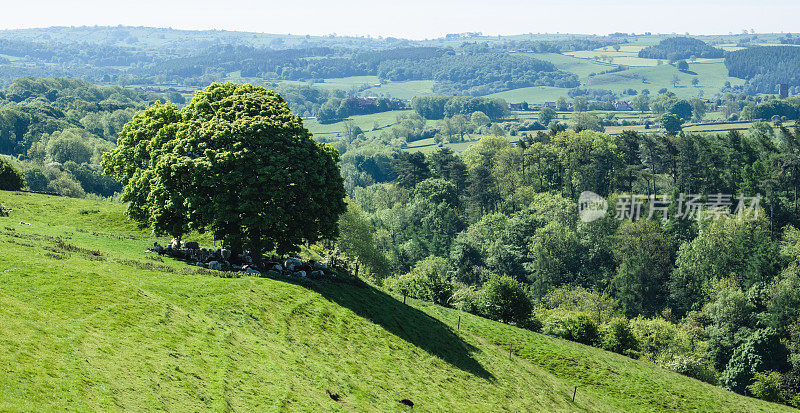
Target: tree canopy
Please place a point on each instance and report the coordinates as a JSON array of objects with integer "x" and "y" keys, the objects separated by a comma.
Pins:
[{"x": 235, "y": 162}]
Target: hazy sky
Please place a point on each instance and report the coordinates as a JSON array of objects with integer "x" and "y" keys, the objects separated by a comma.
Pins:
[{"x": 414, "y": 18}]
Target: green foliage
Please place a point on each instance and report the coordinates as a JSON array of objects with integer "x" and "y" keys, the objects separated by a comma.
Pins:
[
  {"x": 576, "y": 299},
  {"x": 619, "y": 338},
  {"x": 11, "y": 178},
  {"x": 692, "y": 366},
  {"x": 724, "y": 247},
  {"x": 478, "y": 74},
  {"x": 732, "y": 317},
  {"x": 765, "y": 66},
  {"x": 571, "y": 326},
  {"x": 761, "y": 352},
  {"x": 440, "y": 107},
  {"x": 767, "y": 110},
  {"x": 357, "y": 240},
  {"x": 586, "y": 121},
  {"x": 506, "y": 299},
  {"x": 546, "y": 115},
  {"x": 428, "y": 280},
  {"x": 671, "y": 123},
  {"x": 410, "y": 169},
  {"x": 767, "y": 386},
  {"x": 69, "y": 146},
  {"x": 555, "y": 257},
  {"x": 645, "y": 257},
  {"x": 659, "y": 339},
  {"x": 235, "y": 161},
  {"x": 676, "y": 48},
  {"x": 468, "y": 299},
  {"x": 583, "y": 329}
]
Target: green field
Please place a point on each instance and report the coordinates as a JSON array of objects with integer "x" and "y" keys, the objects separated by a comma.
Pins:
[
  {"x": 372, "y": 86},
  {"x": 534, "y": 94},
  {"x": 371, "y": 124},
  {"x": 343, "y": 83},
  {"x": 712, "y": 76},
  {"x": 401, "y": 90},
  {"x": 93, "y": 322},
  {"x": 580, "y": 67}
]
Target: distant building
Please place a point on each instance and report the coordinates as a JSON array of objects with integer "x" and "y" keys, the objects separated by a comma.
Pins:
[
  {"x": 622, "y": 105},
  {"x": 783, "y": 90},
  {"x": 516, "y": 106}
]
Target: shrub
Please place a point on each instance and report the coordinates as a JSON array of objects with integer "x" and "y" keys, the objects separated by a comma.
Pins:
[
  {"x": 767, "y": 386},
  {"x": 557, "y": 325},
  {"x": 532, "y": 323},
  {"x": 575, "y": 327},
  {"x": 693, "y": 367},
  {"x": 65, "y": 184},
  {"x": 584, "y": 330},
  {"x": 426, "y": 281},
  {"x": 657, "y": 336},
  {"x": 506, "y": 299},
  {"x": 467, "y": 299},
  {"x": 619, "y": 338},
  {"x": 11, "y": 179}
]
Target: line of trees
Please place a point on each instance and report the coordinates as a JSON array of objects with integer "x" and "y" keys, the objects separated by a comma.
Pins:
[{"x": 439, "y": 107}]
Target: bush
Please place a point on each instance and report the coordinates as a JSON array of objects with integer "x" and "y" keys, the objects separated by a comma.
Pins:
[
  {"x": 506, "y": 299},
  {"x": 532, "y": 323},
  {"x": 584, "y": 330},
  {"x": 657, "y": 337},
  {"x": 65, "y": 184},
  {"x": 426, "y": 281},
  {"x": 11, "y": 179},
  {"x": 467, "y": 299},
  {"x": 693, "y": 367},
  {"x": 767, "y": 386},
  {"x": 575, "y": 327},
  {"x": 557, "y": 325},
  {"x": 619, "y": 338}
]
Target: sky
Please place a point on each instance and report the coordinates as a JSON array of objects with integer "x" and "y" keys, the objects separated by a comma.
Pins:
[{"x": 414, "y": 19}]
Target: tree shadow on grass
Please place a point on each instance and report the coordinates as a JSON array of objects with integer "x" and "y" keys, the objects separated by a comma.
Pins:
[{"x": 406, "y": 322}]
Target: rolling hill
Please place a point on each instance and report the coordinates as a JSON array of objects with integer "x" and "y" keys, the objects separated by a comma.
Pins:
[{"x": 93, "y": 322}]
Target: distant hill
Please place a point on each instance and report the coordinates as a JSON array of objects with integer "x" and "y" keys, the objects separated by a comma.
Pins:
[
  {"x": 766, "y": 66},
  {"x": 676, "y": 48},
  {"x": 92, "y": 322}
]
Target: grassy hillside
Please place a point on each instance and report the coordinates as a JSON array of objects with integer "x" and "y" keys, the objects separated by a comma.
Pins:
[{"x": 92, "y": 322}]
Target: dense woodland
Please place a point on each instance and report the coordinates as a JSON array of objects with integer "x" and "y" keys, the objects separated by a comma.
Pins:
[
  {"x": 61, "y": 127},
  {"x": 765, "y": 67},
  {"x": 676, "y": 48},
  {"x": 495, "y": 231}
]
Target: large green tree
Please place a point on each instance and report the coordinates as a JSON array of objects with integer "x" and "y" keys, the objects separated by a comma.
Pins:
[
  {"x": 235, "y": 162},
  {"x": 11, "y": 179}
]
